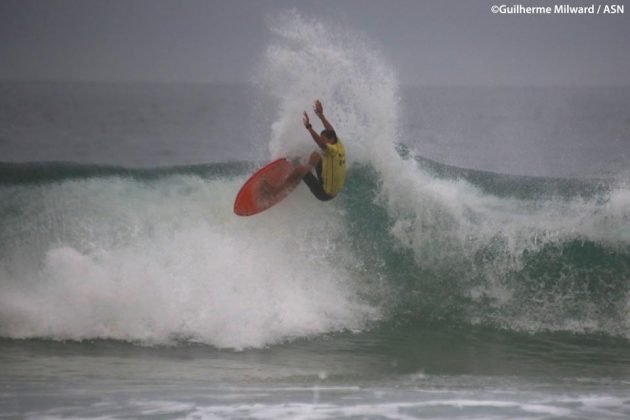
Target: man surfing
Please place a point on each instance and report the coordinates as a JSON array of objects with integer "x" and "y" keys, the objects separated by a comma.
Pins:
[
  {"x": 273, "y": 182},
  {"x": 330, "y": 166}
]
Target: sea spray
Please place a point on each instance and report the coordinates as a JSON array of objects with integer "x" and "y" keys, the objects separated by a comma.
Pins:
[
  {"x": 165, "y": 262},
  {"x": 310, "y": 60},
  {"x": 470, "y": 246}
]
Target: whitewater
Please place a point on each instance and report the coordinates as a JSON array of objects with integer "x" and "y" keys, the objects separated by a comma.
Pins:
[{"x": 423, "y": 288}]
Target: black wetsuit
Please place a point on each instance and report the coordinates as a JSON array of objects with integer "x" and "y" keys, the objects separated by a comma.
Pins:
[{"x": 316, "y": 185}]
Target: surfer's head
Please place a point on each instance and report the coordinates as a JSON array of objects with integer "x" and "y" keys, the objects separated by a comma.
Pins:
[{"x": 329, "y": 135}]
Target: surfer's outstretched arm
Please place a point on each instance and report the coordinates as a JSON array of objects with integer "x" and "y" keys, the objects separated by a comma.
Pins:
[
  {"x": 319, "y": 111},
  {"x": 321, "y": 143}
]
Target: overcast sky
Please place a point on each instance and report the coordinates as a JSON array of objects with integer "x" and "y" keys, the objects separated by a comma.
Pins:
[{"x": 436, "y": 42}]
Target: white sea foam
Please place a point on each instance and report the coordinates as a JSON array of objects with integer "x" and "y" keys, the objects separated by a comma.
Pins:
[{"x": 156, "y": 263}]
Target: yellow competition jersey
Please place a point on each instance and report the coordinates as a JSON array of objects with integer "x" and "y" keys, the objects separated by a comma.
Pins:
[{"x": 334, "y": 168}]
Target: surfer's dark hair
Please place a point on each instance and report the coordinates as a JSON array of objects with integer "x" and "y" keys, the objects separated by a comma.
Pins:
[{"x": 329, "y": 134}]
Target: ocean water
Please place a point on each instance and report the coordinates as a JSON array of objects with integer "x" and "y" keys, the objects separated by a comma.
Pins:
[{"x": 476, "y": 265}]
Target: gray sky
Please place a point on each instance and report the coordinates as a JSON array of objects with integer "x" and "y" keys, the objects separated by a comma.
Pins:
[{"x": 437, "y": 42}]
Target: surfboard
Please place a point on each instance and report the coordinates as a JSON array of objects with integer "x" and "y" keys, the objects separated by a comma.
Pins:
[{"x": 265, "y": 188}]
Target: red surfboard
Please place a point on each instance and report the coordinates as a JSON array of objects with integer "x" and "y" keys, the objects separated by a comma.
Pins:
[{"x": 265, "y": 188}]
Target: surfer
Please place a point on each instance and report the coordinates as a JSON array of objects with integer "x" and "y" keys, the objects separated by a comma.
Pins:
[
  {"x": 330, "y": 166},
  {"x": 330, "y": 169}
]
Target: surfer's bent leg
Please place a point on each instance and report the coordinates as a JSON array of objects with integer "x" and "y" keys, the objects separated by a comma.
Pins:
[
  {"x": 301, "y": 170},
  {"x": 315, "y": 184}
]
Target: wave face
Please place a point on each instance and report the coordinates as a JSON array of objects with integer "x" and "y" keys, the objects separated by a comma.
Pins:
[{"x": 155, "y": 256}]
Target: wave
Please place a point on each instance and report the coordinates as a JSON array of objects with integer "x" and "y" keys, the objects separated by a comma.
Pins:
[
  {"x": 161, "y": 259},
  {"x": 157, "y": 256},
  {"x": 51, "y": 172}
]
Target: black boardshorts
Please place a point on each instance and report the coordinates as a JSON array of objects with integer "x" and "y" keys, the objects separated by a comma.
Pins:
[{"x": 316, "y": 185}]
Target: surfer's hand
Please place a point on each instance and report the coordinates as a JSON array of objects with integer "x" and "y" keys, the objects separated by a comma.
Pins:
[
  {"x": 318, "y": 108},
  {"x": 307, "y": 123}
]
